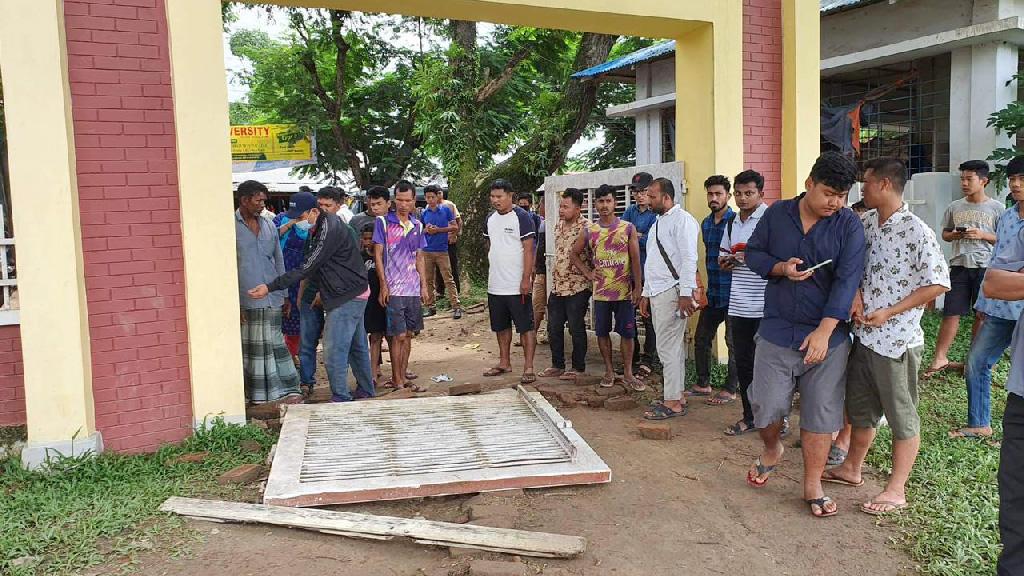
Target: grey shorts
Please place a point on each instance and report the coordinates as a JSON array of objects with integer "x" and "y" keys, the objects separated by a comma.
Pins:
[
  {"x": 404, "y": 314},
  {"x": 877, "y": 385},
  {"x": 779, "y": 372}
]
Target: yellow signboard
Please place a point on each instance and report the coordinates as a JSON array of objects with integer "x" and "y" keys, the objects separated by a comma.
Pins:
[{"x": 271, "y": 143}]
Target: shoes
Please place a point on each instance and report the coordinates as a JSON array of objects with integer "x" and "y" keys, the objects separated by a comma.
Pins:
[
  {"x": 430, "y": 311},
  {"x": 457, "y": 314}
]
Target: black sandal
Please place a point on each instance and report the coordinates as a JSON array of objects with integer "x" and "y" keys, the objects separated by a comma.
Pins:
[{"x": 737, "y": 429}]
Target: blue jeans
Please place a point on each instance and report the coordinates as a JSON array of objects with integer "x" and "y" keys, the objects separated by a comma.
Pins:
[
  {"x": 988, "y": 346},
  {"x": 311, "y": 327},
  {"x": 345, "y": 345}
]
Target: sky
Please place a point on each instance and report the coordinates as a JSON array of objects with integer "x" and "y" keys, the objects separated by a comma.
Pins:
[{"x": 258, "y": 19}]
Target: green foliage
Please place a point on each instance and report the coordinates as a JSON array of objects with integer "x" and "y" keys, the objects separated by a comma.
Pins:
[
  {"x": 83, "y": 511},
  {"x": 1009, "y": 120}
]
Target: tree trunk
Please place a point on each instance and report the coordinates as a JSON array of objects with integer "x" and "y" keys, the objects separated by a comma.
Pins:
[{"x": 541, "y": 155}]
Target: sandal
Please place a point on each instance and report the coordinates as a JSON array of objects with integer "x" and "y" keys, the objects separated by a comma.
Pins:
[
  {"x": 569, "y": 375},
  {"x": 635, "y": 384},
  {"x": 890, "y": 507},
  {"x": 607, "y": 382},
  {"x": 720, "y": 399},
  {"x": 970, "y": 434},
  {"x": 415, "y": 387},
  {"x": 836, "y": 456},
  {"x": 411, "y": 375},
  {"x": 528, "y": 378},
  {"x": 662, "y": 412},
  {"x": 830, "y": 476},
  {"x": 695, "y": 392},
  {"x": 821, "y": 503},
  {"x": 389, "y": 384},
  {"x": 497, "y": 371},
  {"x": 761, "y": 470},
  {"x": 739, "y": 429},
  {"x": 643, "y": 370},
  {"x": 551, "y": 372}
]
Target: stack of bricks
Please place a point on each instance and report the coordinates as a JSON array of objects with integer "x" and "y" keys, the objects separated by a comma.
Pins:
[
  {"x": 119, "y": 70},
  {"x": 12, "y": 386},
  {"x": 762, "y": 93}
]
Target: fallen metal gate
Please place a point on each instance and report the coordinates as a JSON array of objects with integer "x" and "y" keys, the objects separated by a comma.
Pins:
[{"x": 388, "y": 450}]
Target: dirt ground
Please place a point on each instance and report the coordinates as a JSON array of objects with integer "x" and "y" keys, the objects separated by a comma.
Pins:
[{"x": 673, "y": 507}]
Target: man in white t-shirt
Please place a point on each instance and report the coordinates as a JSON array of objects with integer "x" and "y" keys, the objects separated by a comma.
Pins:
[
  {"x": 510, "y": 237},
  {"x": 746, "y": 294}
]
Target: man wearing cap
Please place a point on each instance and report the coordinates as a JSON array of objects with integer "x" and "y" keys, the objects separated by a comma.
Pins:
[
  {"x": 642, "y": 218},
  {"x": 267, "y": 367}
]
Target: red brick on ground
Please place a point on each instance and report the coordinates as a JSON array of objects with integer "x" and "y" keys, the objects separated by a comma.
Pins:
[
  {"x": 620, "y": 403},
  {"x": 244, "y": 474},
  {"x": 463, "y": 389},
  {"x": 655, "y": 430},
  {"x": 190, "y": 458}
]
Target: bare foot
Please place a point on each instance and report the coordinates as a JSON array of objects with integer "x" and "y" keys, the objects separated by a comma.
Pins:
[{"x": 884, "y": 503}]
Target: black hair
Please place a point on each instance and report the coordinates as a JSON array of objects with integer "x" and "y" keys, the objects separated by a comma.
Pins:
[
  {"x": 604, "y": 190},
  {"x": 405, "y": 186},
  {"x": 502, "y": 184},
  {"x": 1015, "y": 167},
  {"x": 892, "y": 169},
  {"x": 250, "y": 188},
  {"x": 717, "y": 180},
  {"x": 330, "y": 193},
  {"x": 979, "y": 167},
  {"x": 305, "y": 188},
  {"x": 524, "y": 196},
  {"x": 858, "y": 205},
  {"x": 574, "y": 194},
  {"x": 749, "y": 176},
  {"x": 368, "y": 227},
  {"x": 835, "y": 171},
  {"x": 431, "y": 189},
  {"x": 665, "y": 187},
  {"x": 378, "y": 192}
]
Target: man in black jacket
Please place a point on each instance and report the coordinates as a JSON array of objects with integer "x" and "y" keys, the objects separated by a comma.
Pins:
[{"x": 334, "y": 262}]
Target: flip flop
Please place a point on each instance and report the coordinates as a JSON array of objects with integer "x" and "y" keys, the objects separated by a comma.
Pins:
[
  {"x": 947, "y": 367},
  {"x": 737, "y": 430},
  {"x": 830, "y": 476},
  {"x": 497, "y": 371},
  {"x": 893, "y": 507},
  {"x": 635, "y": 384},
  {"x": 569, "y": 375},
  {"x": 411, "y": 375},
  {"x": 415, "y": 388},
  {"x": 692, "y": 392},
  {"x": 720, "y": 400},
  {"x": 551, "y": 372},
  {"x": 643, "y": 370},
  {"x": 607, "y": 382},
  {"x": 662, "y": 412},
  {"x": 820, "y": 503},
  {"x": 965, "y": 433},
  {"x": 528, "y": 378},
  {"x": 836, "y": 456},
  {"x": 761, "y": 470}
]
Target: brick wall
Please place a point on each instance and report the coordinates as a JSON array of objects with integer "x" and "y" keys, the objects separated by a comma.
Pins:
[
  {"x": 12, "y": 384},
  {"x": 119, "y": 68},
  {"x": 762, "y": 92}
]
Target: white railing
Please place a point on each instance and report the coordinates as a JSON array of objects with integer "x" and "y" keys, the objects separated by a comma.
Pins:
[{"x": 8, "y": 278}]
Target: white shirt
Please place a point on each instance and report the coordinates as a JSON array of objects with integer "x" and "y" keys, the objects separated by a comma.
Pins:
[
  {"x": 900, "y": 256},
  {"x": 746, "y": 294},
  {"x": 345, "y": 213},
  {"x": 678, "y": 232},
  {"x": 506, "y": 233}
]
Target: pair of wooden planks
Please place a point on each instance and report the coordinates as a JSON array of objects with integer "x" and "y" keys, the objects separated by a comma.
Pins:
[{"x": 351, "y": 524}]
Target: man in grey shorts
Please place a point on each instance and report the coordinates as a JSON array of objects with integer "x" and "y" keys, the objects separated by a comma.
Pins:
[
  {"x": 904, "y": 270},
  {"x": 811, "y": 251}
]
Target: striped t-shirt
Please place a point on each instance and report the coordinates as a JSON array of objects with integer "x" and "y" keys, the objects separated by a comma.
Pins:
[{"x": 746, "y": 295}]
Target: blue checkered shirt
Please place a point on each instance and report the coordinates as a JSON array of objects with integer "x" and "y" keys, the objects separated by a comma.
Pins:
[{"x": 719, "y": 281}]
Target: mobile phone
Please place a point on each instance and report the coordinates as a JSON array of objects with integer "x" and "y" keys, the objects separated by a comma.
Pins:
[
  {"x": 816, "y": 266},
  {"x": 960, "y": 229}
]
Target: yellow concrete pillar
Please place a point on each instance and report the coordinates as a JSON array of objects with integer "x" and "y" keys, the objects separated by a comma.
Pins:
[
  {"x": 801, "y": 92},
  {"x": 204, "y": 186},
  {"x": 51, "y": 282}
]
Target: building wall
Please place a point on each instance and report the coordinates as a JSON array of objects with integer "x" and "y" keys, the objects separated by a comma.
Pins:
[
  {"x": 12, "y": 385},
  {"x": 762, "y": 93},
  {"x": 119, "y": 71},
  {"x": 884, "y": 23}
]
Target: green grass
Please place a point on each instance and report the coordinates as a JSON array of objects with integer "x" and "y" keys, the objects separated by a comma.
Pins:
[{"x": 85, "y": 511}]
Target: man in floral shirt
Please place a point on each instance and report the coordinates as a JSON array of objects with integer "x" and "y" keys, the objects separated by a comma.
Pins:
[
  {"x": 904, "y": 269},
  {"x": 570, "y": 291}
]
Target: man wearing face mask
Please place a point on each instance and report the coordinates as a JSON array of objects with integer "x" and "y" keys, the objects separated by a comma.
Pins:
[
  {"x": 293, "y": 230},
  {"x": 335, "y": 263}
]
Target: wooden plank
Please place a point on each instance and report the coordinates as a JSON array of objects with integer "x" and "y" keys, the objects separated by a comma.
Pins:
[{"x": 520, "y": 542}]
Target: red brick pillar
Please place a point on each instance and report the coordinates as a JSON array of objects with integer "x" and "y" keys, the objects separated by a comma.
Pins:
[
  {"x": 762, "y": 93},
  {"x": 119, "y": 68},
  {"x": 12, "y": 384}
]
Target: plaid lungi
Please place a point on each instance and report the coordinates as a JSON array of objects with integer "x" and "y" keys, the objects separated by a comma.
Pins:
[{"x": 267, "y": 365}]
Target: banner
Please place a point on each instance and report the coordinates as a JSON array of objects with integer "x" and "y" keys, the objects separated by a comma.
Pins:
[{"x": 270, "y": 146}]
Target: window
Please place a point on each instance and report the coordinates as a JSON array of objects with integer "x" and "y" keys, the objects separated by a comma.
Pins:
[{"x": 8, "y": 276}]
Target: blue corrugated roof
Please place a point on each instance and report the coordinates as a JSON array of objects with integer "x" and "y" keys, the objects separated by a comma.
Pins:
[{"x": 643, "y": 55}]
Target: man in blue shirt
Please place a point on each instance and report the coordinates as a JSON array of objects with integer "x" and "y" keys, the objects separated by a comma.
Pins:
[
  {"x": 438, "y": 222},
  {"x": 719, "y": 282},
  {"x": 811, "y": 251},
  {"x": 642, "y": 218},
  {"x": 1005, "y": 281},
  {"x": 999, "y": 318}
]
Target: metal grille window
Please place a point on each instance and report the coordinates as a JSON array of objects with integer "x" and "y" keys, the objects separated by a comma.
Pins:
[
  {"x": 8, "y": 277},
  {"x": 904, "y": 111},
  {"x": 668, "y": 134}
]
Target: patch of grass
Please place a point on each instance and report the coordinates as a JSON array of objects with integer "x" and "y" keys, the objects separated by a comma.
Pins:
[
  {"x": 84, "y": 511},
  {"x": 471, "y": 295}
]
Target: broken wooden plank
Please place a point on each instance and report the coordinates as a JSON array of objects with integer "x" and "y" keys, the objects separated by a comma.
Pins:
[{"x": 521, "y": 542}]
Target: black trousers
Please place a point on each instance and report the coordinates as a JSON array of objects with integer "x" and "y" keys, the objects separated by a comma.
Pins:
[
  {"x": 743, "y": 348},
  {"x": 1011, "y": 489},
  {"x": 571, "y": 310},
  {"x": 650, "y": 352},
  {"x": 453, "y": 258},
  {"x": 707, "y": 328}
]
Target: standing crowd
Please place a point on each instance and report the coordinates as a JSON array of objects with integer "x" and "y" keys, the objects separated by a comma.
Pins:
[{"x": 817, "y": 300}]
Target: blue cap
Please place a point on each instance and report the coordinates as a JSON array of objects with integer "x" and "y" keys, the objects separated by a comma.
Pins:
[{"x": 299, "y": 203}]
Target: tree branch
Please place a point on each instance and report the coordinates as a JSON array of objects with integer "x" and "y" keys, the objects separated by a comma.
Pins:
[{"x": 498, "y": 82}]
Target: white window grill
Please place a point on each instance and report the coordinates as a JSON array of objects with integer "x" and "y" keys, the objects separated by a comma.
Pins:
[{"x": 9, "y": 308}]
